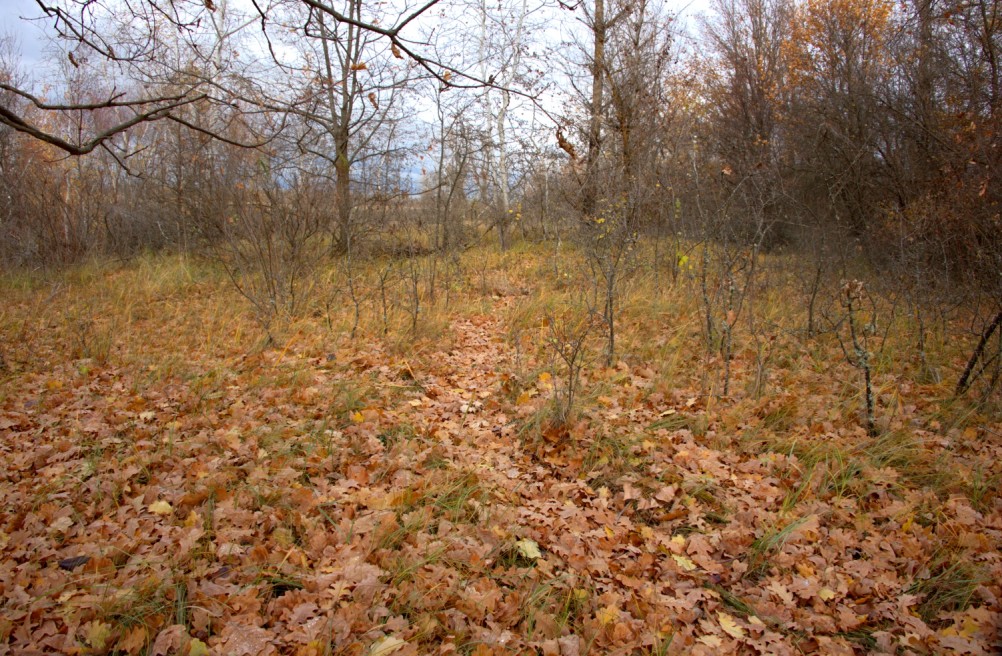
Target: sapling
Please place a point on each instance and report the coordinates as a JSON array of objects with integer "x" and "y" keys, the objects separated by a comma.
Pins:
[
  {"x": 567, "y": 339},
  {"x": 853, "y": 297}
]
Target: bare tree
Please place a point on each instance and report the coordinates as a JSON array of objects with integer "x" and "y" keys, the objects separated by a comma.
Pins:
[
  {"x": 505, "y": 58},
  {"x": 138, "y": 34}
]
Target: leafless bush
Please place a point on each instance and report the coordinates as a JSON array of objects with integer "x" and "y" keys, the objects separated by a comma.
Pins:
[
  {"x": 271, "y": 246},
  {"x": 567, "y": 341}
]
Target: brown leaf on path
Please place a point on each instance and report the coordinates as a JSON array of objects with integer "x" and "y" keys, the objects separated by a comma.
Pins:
[
  {"x": 169, "y": 640},
  {"x": 242, "y": 640},
  {"x": 133, "y": 641},
  {"x": 570, "y": 645},
  {"x": 550, "y": 648}
]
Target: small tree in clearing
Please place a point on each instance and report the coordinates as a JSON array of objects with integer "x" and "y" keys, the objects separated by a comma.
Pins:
[
  {"x": 854, "y": 297},
  {"x": 568, "y": 334}
]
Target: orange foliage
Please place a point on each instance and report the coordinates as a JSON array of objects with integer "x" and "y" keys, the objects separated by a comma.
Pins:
[{"x": 835, "y": 40}]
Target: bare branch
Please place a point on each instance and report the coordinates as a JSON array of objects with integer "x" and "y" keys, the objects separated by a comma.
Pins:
[{"x": 17, "y": 122}]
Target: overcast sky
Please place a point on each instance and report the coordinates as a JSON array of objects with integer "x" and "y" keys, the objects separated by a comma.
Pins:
[
  {"x": 34, "y": 37},
  {"x": 30, "y": 36}
]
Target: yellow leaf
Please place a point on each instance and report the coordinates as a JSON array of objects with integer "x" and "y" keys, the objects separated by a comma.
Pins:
[
  {"x": 357, "y": 418},
  {"x": 97, "y": 635},
  {"x": 711, "y": 640},
  {"x": 545, "y": 378},
  {"x": 529, "y": 549},
  {"x": 198, "y": 648},
  {"x": 523, "y": 398},
  {"x": 730, "y": 626},
  {"x": 386, "y": 646},
  {"x": 970, "y": 628},
  {"x": 607, "y": 615},
  {"x": 192, "y": 520},
  {"x": 826, "y": 594},
  {"x": 160, "y": 508},
  {"x": 683, "y": 562}
]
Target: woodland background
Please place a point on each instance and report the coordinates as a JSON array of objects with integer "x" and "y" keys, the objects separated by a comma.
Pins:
[{"x": 354, "y": 328}]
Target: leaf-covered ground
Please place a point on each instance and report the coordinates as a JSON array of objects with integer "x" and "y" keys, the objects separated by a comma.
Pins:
[{"x": 169, "y": 488}]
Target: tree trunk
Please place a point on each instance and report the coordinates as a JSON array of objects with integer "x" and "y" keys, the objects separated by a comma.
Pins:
[
  {"x": 965, "y": 378},
  {"x": 342, "y": 192},
  {"x": 595, "y": 123}
]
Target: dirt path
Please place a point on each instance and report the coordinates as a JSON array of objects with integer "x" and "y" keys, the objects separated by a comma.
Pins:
[{"x": 463, "y": 400}]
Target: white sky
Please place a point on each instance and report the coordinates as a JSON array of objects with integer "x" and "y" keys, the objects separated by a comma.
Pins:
[
  {"x": 29, "y": 34},
  {"x": 34, "y": 37}
]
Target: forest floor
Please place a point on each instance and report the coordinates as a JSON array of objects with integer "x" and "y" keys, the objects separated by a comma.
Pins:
[{"x": 172, "y": 485}]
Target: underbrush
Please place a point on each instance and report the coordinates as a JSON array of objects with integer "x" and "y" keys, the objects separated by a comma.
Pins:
[{"x": 436, "y": 454}]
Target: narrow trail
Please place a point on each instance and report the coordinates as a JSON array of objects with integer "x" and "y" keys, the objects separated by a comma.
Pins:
[{"x": 463, "y": 395}]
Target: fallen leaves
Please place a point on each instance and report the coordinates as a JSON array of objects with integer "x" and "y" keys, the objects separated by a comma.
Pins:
[
  {"x": 827, "y": 594},
  {"x": 684, "y": 563},
  {"x": 97, "y": 635},
  {"x": 197, "y": 648},
  {"x": 730, "y": 626},
  {"x": 258, "y": 507},
  {"x": 386, "y": 646},
  {"x": 528, "y": 549},
  {"x": 242, "y": 640},
  {"x": 607, "y": 614},
  {"x": 160, "y": 508}
]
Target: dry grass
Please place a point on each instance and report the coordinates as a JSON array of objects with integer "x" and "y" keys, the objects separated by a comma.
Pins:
[{"x": 340, "y": 397}]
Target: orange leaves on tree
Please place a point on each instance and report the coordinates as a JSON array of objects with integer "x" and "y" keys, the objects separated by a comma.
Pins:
[{"x": 830, "y": 40}]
